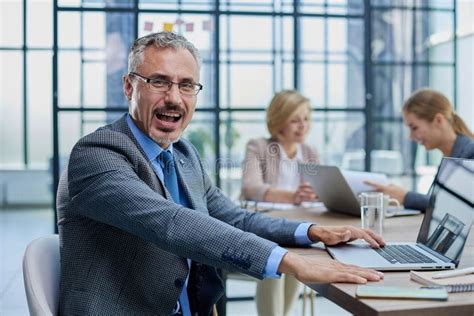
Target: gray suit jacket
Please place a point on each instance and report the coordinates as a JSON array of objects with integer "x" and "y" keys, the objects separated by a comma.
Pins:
[
  {"x": 463, "y": 148},
  {"x": 124, "y": 242}
]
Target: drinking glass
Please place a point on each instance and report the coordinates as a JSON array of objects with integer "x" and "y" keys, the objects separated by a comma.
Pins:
[{"x": 371, "y": 211}]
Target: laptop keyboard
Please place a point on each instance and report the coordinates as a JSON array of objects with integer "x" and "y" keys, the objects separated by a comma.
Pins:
[{"x": 402, "y": 254}]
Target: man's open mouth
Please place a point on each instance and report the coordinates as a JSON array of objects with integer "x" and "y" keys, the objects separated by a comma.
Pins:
[{"x": 169, "y": 116}]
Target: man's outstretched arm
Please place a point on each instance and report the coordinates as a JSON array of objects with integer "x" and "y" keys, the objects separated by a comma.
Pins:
[{"x": 313, "y": 270}]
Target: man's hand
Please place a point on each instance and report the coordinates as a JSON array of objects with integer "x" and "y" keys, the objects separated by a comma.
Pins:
[
  {"x": 393, "y": 190},
  {"x": 333, "y": 235},
  {"x": 312, "y": 270},
  {"x": 305, "y": 192}
]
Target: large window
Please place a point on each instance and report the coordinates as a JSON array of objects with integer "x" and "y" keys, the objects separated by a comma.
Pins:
[
  {"x": 413, "y": 46},
  {"x": 357, "y": 60}
]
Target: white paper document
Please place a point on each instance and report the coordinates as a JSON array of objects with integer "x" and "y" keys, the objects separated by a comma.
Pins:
[
  {"x": 356, "y": 179},
  {"x": 272, "y": 206}
]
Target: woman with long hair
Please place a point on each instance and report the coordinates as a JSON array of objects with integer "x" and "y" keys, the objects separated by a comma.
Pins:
[{"x": 434, "y": 124}]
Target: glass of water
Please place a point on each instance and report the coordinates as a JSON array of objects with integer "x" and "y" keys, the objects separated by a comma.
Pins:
[{"x": 371, "y": 211}]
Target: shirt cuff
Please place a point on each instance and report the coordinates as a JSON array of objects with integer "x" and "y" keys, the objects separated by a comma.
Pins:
[
  {"x": 271, "y": 269},
  {"x": 301, "y": 234}
]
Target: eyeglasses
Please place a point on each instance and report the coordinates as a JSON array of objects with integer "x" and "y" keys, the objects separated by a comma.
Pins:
[{"x": 163, "y": 85}]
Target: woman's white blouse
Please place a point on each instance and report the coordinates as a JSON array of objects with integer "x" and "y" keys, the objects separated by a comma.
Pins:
[{"x": 289, "y": 178}]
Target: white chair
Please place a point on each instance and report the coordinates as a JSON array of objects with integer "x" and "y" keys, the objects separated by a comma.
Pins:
[
  {"x": 308, "y": 295},
  {"x": 41, "y": 267},
  {"x": 383, "y": 161},
  {"x": 353, "y": 160},
  {"x": 387, "y": 161}
]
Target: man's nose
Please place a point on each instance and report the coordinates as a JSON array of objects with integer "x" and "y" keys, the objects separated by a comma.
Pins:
[{"x": 173, "y": 95}]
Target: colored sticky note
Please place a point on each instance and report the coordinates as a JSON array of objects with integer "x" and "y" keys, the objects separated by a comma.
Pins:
[
  {"x": 168, "y": 27},
  {"x": 148, "y": 26},
  {"x": 207, "y": 25},
  {"x": 189, "y": 27}
]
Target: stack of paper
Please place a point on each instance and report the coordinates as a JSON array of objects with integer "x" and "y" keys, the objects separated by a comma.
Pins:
[{"x": 356, "y": 179}]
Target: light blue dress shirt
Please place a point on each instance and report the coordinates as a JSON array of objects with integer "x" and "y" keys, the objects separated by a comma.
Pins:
[{"x": 152, "y": 150}]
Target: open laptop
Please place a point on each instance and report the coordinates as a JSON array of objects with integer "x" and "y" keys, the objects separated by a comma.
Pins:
[
  {"x": 336, "y": 193},
  {"x": 443, "y": 233}
]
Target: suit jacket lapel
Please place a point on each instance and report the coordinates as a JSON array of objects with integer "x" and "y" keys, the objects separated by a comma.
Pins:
[
  {"x": 182, "y": 163},
  {"x": 183, "y": 166},
  {"x": 121, "y": 126}
]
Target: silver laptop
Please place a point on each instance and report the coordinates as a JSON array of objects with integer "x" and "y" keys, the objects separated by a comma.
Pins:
[
  {"x": 443, "y": 233},
  {"x": 335, "y": 192},
  {"x": 331, "y": 187}
]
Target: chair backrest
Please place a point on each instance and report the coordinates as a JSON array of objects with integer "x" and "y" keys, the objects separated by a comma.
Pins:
[
  {"x": 387, "y": 161},
  {"x": 383, "y": 161},
  {"x": 41, "y": 267}
]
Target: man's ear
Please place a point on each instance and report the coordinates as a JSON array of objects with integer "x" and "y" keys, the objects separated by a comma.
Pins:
[{"x": 127, "y": 87}]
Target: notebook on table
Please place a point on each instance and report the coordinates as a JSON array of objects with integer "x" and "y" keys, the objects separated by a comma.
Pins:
[
  {"x": 397, "y": 292},
  {"x": 462, "y": 283},
  {"x": 443, "y": 233}
]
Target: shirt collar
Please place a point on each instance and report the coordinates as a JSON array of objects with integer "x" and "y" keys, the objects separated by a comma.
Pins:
[
  {"x": 151, "y": 149},
  {"x": 298, "y": 156}
]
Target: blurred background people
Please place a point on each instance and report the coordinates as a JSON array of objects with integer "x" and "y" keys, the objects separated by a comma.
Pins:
[
  {"x": 434, "y": 124},
  {"x": 270, "y": 173},
  {"x": 271, "y": 165}
]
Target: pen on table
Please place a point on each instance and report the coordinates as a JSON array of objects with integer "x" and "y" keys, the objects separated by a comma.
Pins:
[{"x": 453, "y": 273}]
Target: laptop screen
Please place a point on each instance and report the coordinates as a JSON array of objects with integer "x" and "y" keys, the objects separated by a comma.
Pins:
[{"x": 450, "y": 214}]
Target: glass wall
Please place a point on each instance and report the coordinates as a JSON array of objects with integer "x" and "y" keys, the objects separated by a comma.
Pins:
[
  {"x": 357, "y": 60},
  {"x": 412, "y": 46},
  {"x": 26, "y": 40}
]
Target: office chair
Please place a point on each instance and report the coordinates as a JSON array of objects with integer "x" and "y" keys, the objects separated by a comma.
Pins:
[
  {"x": 41, "y": 267},
  {"x": 387, "y": 161},
  {"x": 308, "y": 295},
  {"x": 384, "y": 161}
]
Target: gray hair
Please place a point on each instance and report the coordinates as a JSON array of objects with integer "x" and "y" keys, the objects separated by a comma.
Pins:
[{"x": 159, "y": 40}]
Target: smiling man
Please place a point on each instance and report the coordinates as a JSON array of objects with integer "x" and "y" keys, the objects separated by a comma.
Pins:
[
  {"x": 142, "y": 227},
  {"x": 163, "y": 110}
]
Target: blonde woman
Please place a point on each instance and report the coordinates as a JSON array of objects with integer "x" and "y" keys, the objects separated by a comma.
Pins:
[
  {"x": 271, "y": 174},
  {"x": 434, "y": 124},
  {"x": 270, "y": 165}
]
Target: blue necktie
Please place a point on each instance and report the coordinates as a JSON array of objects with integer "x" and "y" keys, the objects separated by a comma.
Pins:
[
  {"x": 169, "y": 174},
  {"x": 171, "y": 184}
]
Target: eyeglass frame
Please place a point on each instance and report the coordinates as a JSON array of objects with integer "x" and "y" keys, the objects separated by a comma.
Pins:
[{"x": 170, "y": 84}]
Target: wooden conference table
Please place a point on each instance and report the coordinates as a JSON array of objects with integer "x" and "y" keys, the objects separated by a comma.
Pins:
[{"x": 396, "y": 229}]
